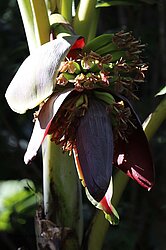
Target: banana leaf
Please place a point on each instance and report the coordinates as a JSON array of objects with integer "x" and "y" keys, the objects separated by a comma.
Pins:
[{"x": 108, "y": 3}]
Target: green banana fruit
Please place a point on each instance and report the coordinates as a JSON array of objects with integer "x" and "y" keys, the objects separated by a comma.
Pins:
[
  {"x": 107, "y": 49},
  {"x": 77, "y": 68},
  {"x": 104, "y": 96},
  {"x": 83, "y": 99},
  {"x": 104, "y": 45},
  {"x": 116, "y": 55},
  {"x": 68, "y": 76},
  {"x": 98, "y": 42}
]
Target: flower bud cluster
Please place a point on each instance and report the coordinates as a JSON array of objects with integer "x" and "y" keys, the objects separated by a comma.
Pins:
[{"x": 119, "y": 69}]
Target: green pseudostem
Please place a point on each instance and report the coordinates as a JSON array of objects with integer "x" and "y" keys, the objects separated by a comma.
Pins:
[
  {"x": 86, "y": 16},
  {"x": 68, "y": 213}
]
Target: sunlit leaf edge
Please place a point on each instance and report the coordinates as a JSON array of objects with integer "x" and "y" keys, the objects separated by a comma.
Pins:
[
  {"x": 110, "y": 3},
  {"x": 115, "y": 3},
  {"x": 162, "y": 91}
]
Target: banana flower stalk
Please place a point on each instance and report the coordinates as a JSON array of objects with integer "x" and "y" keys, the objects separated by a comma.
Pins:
[{"x": 82, "y": 92}]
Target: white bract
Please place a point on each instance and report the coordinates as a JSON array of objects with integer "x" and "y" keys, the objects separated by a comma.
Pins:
[
  {"x": 43, "y": 122},
  {"x": 35, "y": 80}
]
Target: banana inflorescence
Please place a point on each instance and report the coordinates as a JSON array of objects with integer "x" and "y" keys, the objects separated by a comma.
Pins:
[
  {"x": 121, "y": 44},
  {"x": 110, "y": 61},
  {"x": 99, "y": 42}
]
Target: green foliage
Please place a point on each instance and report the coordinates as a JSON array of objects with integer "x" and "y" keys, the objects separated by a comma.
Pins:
[
  {"x": 108, "y": 3},
  {"x": 17, "y": 203},
  {"x": 162, "y": 91}
]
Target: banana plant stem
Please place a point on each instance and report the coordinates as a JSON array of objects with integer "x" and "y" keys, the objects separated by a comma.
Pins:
[
  {"x": 66, "y": 9},
  {"x": 61, "y": 189},
  {"x": 28, "y": 22},
  {"x": 85, "y": 16},
  {"x": 41, "y": 21},
  {"x": 154, "y": 120},
  {"x": 94, "y": 24}
]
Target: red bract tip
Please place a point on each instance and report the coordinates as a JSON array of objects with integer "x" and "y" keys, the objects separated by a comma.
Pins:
[
  {"x": 134, "y": 157},
  {"x": 76, "y": 48},
  {"x": 79, "y": 44}
]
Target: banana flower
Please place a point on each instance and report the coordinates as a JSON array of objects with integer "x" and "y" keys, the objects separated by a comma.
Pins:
[{"x": 82, "y": 92}]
